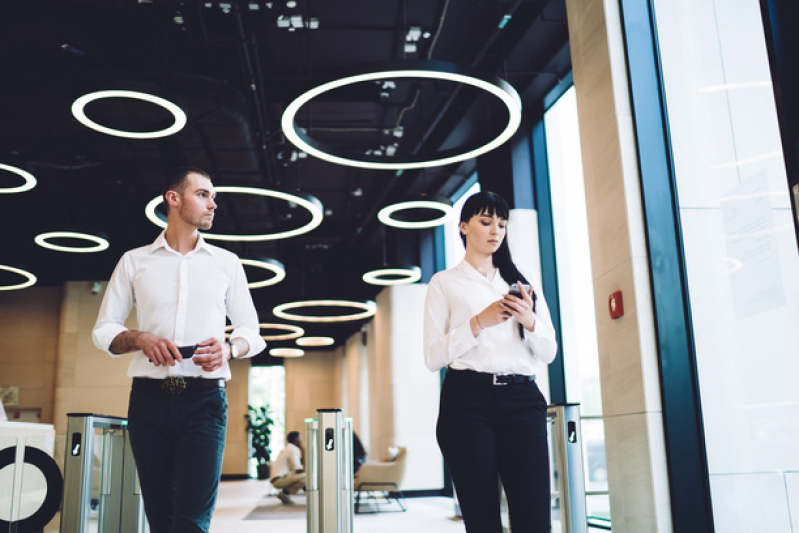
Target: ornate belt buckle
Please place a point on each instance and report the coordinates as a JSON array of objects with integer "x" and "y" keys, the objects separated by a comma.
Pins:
[{"x": 173, "y": 385}]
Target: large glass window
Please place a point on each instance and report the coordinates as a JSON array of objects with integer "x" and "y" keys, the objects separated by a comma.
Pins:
[
  {"x": 268, "y": 387},
  {"x": 740, "y": 255},
  {"x": 576, "y": 292}
]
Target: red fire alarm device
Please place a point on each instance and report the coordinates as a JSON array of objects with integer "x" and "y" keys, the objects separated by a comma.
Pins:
[{"x": 616, "y": 305}]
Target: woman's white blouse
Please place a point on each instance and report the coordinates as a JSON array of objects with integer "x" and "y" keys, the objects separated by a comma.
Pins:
[{"x": 454, "y": 296}]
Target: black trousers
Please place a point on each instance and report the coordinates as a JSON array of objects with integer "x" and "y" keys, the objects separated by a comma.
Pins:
[
  {"x": 489, "y": 433},
  {"x": 178, "y": 442}
]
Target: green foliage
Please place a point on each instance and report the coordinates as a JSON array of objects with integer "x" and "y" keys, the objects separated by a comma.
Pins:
[{"x": 259, "y": 425}]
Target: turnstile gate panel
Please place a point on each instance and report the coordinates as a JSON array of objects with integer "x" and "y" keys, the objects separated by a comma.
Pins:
[
  {"x": 329, "y": 473},
  {"x": 101, "y": 488}
]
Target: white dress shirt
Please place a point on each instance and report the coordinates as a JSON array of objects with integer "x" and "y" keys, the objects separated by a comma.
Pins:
[
  {"x": 454, "y": 296},
  {"x": 287, "y": 462},
  {"x": 182, "y": 298}
]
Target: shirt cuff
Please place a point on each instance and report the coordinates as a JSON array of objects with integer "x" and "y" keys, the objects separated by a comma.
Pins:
[
  {"x": 254, "y": 340},
  {"x": 105, "y": 335}
]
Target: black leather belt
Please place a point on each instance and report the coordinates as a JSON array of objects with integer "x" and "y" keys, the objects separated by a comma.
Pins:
[
  {"x": 486, "y": 378},
  {"x": 177, "y": 384}
]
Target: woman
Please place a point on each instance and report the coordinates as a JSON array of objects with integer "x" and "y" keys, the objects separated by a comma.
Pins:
[{"x": 492, "y": 417}]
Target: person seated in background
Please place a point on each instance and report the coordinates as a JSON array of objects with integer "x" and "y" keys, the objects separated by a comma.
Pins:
[
  {"x": 358, "y": 453},
  {"x": 288, "y": 474}
]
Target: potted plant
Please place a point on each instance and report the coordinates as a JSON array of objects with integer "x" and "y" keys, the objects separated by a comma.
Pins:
[{"x": 259, "y": 426}]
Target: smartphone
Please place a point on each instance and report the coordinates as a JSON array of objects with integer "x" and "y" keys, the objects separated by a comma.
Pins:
[
  {"x": 516, "y": 291},
  {"x": 187, "y": 351}
]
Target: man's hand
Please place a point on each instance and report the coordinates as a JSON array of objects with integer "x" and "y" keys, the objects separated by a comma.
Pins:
[
  {"x": 211, "y": 354},
  {"x": 159, "y": 350}
]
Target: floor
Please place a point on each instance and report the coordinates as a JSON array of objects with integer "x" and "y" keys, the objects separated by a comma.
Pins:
[{"x": 237, "y": 499}]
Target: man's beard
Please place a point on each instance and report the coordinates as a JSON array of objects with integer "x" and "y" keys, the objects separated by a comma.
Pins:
[{"x": 198, "y": 221}]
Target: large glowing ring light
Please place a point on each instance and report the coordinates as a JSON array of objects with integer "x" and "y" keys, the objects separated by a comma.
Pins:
[
  {"x": 437, "y": 70},
  {"x": 276, "y": 267},
  {"x": 315, "y": 341},
  {"x": 286, "y": 352},
  {"x": 369, "y": 309},
  {"x": 385, "y": 214},
  {"x": 30, "y": 281},
  {"x": 79, "y": 105},
  {"x": 30, "y": 180},
  {"x": 388, "y": 276},
  {"x": 295, "y": 332},
  {"x": 100, "y": 243},
  {"x": 308, "y": 202}
]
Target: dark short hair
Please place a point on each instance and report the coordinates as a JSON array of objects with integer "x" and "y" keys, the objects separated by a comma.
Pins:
[
  {"x": 293, "y": 436},
  {"x": 175, "y": 180}
]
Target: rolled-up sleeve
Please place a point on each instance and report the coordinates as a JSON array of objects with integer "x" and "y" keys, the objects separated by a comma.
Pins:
[
  {"x": 443, "y": 343},
  {"x": 117, "y": 304},
  {"x": 242, "y": 313}
]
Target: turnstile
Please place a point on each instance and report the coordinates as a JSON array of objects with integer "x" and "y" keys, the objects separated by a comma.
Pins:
[
  {"x": 100, "y": 481},
  {"x": 329, "y": 477},
  {"x": 568, "y": 492}
]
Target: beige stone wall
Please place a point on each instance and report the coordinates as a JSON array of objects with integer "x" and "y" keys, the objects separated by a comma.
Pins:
[
  {"x": 313, "y": 382},
  {"x": 635, "y": 447},
  {"x": 29, "y": 331},
  {"x": 237, "y": 451}
]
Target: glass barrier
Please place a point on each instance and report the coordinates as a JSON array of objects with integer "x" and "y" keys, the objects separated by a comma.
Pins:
[{"x": 8, "y": 447}]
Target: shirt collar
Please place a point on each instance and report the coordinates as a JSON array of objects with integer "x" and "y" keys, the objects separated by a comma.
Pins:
[{"x": 160, "y": 242}]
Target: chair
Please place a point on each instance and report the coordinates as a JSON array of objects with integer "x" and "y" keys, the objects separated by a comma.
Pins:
[{"x": 379, "y": 481}]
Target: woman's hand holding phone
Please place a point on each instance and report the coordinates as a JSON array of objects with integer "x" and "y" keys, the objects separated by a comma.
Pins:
[{"x": 519, "y": 302}]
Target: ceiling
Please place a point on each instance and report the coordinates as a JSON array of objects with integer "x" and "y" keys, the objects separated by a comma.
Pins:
[{"x": 234, "y": 67}]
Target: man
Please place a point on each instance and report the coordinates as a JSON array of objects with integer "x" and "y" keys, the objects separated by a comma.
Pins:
[
  {"x": 287, "y": 471},
  {"x": 182, "y": 288}
]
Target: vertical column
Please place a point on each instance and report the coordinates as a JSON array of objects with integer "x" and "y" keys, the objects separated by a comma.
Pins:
[{"x": 637, "y": 473}]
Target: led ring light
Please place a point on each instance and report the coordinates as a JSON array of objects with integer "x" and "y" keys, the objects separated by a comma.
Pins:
[
  {"x": 275, "y": 267},
  {"x": 369, "y": 309},
  {"x": 446, "y": 209},
  {"x": 388, "y": 276},
  {"x": 30, "y": 180},
  {"x": 42, "y": 240},
  {"x": 310, "y": 203},
  {"x": 436, "y": 70},
  {"x": 315, "y": 341},
  {"x": 295, "y": 332},
  {"x": 30, "y": 281},
  {"x": 79, "y": 106},
  {"x": 286, "y": 352}
]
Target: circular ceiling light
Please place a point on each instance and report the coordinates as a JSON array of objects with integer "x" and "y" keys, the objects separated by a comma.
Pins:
[
  {"x": 100, "y": 243},
  {"x": 369, "y": 308},
  {"x": 286, "y": 352},
  {"x": 393, "y": 276},
  {"x": 30, "y": 180},
  {"x": 436, "y": 70},
  {"x": 295, "y": 332},
  {"x": 276, "y": 267},
  {"x": 31, "y": 279},
  {"x": 79, "y": 111},
  {"x": 315, "y": 341},
  {"x": 310, "y": 203},
  {"x": 439, "y": 204}
]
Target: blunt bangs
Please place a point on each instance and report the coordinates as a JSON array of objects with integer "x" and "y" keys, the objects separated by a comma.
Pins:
[{"x": 484, "y": 202}]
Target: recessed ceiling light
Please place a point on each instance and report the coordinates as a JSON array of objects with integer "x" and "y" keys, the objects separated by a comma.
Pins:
[
  {"x": 315, "y": 341},
  {"x": 272, "y": 265},
  {"x": 286, "y": 352},
  {"x": 369, "y": 308},
  {"x": 100, "y": 243},
  {"x": 436, "y": 70},
  {"x": 393, "y": 276},
  {"x": 30, "y": 278},
  {"x": 79, "y": 111},
  {"x": 30, "y": 180},
  {"x": 310, "y": 203}
]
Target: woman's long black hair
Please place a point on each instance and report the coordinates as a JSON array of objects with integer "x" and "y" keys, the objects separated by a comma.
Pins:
[{"x": 494, "y": 204}]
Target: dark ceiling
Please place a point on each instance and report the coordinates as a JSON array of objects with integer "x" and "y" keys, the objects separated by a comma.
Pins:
[{"x": 234, "y": 66}]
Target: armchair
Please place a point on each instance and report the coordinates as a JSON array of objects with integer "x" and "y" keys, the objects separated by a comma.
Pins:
[{"x": 379, "y": 482}]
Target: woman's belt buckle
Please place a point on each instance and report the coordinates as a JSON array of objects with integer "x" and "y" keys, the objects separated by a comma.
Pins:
[{"x": 173, "y": 385}]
